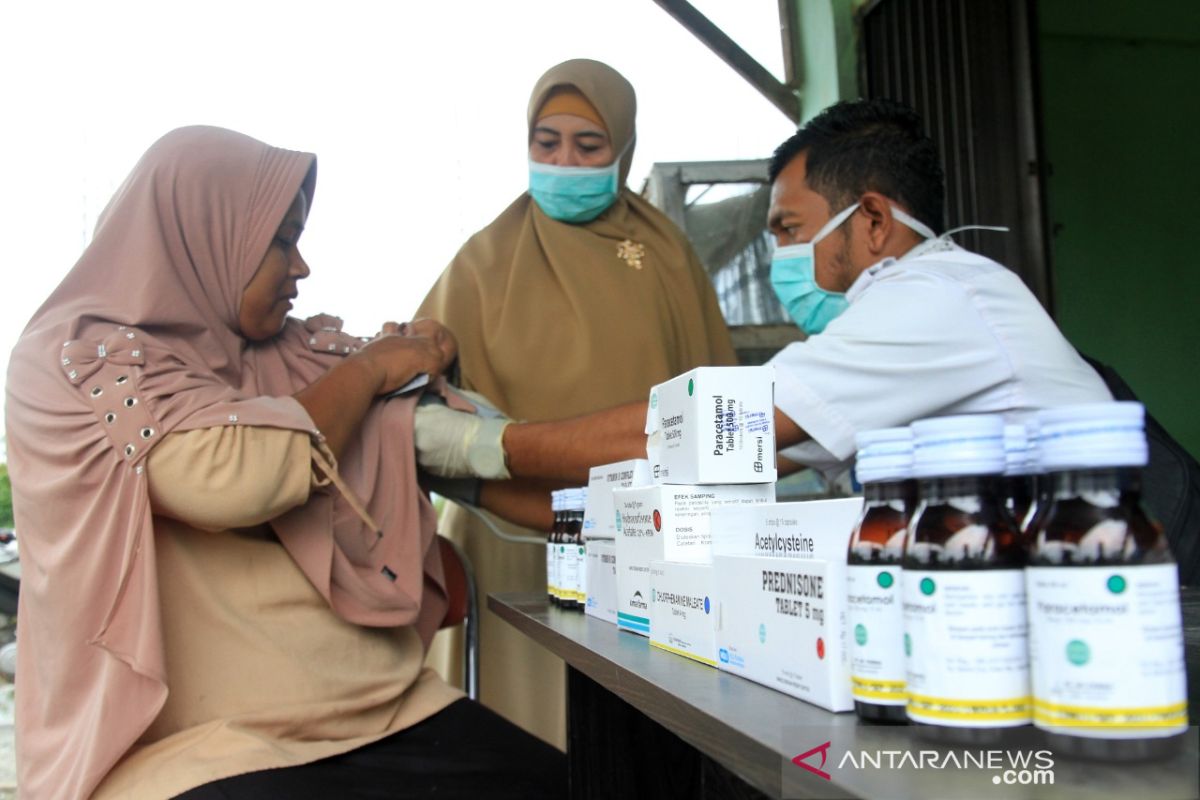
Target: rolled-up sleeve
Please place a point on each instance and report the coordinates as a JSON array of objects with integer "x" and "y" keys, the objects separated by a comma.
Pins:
[{"x": 230, "y": 477}]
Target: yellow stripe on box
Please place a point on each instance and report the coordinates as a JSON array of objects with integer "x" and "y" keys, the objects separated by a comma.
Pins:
[{"x": 683, "y": 653}]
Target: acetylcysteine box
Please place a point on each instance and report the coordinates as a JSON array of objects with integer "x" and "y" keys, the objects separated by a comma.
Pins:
[
  {"x": 682, "y": 612},
  {"x": 713, "y": 425},
  {"x": 809, "y": 529},
  {"x": 781, "y": 622},
  {"x": 667, "y": 523},
  {"x": 602, "y": 580},
  {"x": 780, "y": 584},
  {"x": 599, "y": 515}
]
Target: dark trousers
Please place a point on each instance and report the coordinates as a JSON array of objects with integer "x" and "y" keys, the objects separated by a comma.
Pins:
[{"x": 463, "y": 751}]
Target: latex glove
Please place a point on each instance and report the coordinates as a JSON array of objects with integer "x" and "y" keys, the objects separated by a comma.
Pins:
[
  {"x": 483, "y": 406},
  {"x": 455, "y": 444}
]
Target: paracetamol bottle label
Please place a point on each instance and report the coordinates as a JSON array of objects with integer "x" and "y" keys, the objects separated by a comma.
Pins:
[
  {"x": 551, "y": 563},
  {"x": 1107, "y": 650},
  {"x": 876, "y": 623},
  {"x": 966, "y": 648}
]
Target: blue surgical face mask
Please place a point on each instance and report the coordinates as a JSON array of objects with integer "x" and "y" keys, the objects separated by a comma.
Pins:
[
  {"x": 794, "y": 279},
  {"x": 574, "y": 194}
]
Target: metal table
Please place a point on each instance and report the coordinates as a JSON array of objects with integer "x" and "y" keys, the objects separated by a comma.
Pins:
[{"x": 646, "y": 723}]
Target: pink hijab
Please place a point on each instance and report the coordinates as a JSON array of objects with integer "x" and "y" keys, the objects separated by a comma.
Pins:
[{"x": 139, "y": 340}]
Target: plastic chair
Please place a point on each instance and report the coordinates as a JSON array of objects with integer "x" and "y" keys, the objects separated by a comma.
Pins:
[{"x": 463, "y": 609}]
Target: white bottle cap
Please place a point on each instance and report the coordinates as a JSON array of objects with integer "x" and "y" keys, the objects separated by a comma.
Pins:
[
  {"x": 945, "y": 447},
  {"x": 884, "y": 454},
  {"x": 1020, "y": 455},
  {"x": 1033, "y": 433},
  {"x": 1093, "y": 435}
]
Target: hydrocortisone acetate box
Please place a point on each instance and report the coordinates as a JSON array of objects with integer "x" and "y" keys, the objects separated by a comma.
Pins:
[
  {"x": 713, "y": 425},
  {"x": 599, "y": 516}
]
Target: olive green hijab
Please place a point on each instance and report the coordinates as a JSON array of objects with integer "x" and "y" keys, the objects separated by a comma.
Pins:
[{"x": 555, "y": 319}]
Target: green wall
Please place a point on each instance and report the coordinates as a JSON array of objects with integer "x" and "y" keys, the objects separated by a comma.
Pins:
[{"x": 1121, "y": 126}]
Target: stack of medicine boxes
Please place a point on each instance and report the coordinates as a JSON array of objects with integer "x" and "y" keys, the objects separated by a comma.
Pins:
[
  {"x": 600, "y": 531},
  {"x": 780, "y": 581},
  {"x": 711, "y": 444}
]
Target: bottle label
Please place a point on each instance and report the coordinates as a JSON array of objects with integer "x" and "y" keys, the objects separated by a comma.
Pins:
[
  {"x": 876, "y": 622},
  {"x": 560, "y": 571},
  {"x": 582, "y": 591},
  {"x": 551, "y": 563},
  {"x": 966, "y": 648},
  {"x": 1106, "y": 645},
  {"x": 569, "y": 584}
]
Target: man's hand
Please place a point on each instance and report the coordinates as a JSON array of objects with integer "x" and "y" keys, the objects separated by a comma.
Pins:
[{"x": 456, "y": 444}]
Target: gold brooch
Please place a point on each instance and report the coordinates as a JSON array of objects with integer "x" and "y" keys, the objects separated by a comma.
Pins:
[{"x": 631, "y": 253}]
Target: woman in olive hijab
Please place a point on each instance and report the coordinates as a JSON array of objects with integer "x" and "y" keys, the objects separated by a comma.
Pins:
[{"x": 579, "y": 296}]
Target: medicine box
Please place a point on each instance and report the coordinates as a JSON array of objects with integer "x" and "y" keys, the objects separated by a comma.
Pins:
[
  {"x": 602, "y": 580},
  {"x": 780, "y": 581},
  {"x": 809, "y": 529},
  {"x": 599, "y": 515},
  {"x": 781, "y": 622},
  {"x": 682, "y": 611},
  {"x": 667, "y": 523},
  {"x": 713, "y": 425}
]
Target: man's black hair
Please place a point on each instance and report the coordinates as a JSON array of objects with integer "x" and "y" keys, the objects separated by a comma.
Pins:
[{"x": 869, "y": 145}]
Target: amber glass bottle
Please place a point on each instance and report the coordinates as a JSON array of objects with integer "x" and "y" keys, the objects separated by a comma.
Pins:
[
  {"x": 874, "y": 616},
  {"x": 1106, "y": 636},
  {"x": 965, "y": 633},
  {"x": 571, "y": 550},
  {"x": 552, "y": 548}
]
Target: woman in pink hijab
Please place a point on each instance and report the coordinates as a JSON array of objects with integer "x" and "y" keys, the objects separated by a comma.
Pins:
[{"x": 229, "y": 574}]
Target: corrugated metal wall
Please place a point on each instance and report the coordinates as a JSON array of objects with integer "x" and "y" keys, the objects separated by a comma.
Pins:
[{"x": 966, "y": 66}]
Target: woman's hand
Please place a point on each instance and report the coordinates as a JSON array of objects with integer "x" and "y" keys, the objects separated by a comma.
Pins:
[
  {"x": 338, "y": 400},
  {"x": 440, "y": 334},
  {"x": 403, "y": 350},
  {"x": 394, "y": 359}
]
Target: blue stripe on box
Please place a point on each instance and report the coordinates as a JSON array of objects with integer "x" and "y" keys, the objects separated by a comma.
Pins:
[{"x": 640, "y": 624}]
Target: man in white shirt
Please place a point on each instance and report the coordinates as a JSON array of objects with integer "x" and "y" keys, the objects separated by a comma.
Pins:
[{"x": 902, "y": 324}]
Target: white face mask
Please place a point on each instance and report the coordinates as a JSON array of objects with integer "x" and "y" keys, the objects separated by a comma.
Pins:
[
  {"x": 794, "y": 280},
  {"x": 934, "y": 243}
]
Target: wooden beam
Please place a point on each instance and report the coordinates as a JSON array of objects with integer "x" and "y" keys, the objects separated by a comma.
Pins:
[{"x": 732, "y": 54}]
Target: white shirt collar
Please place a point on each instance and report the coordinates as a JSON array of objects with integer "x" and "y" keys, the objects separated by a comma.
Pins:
[{"x": 868, "y": 275}]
